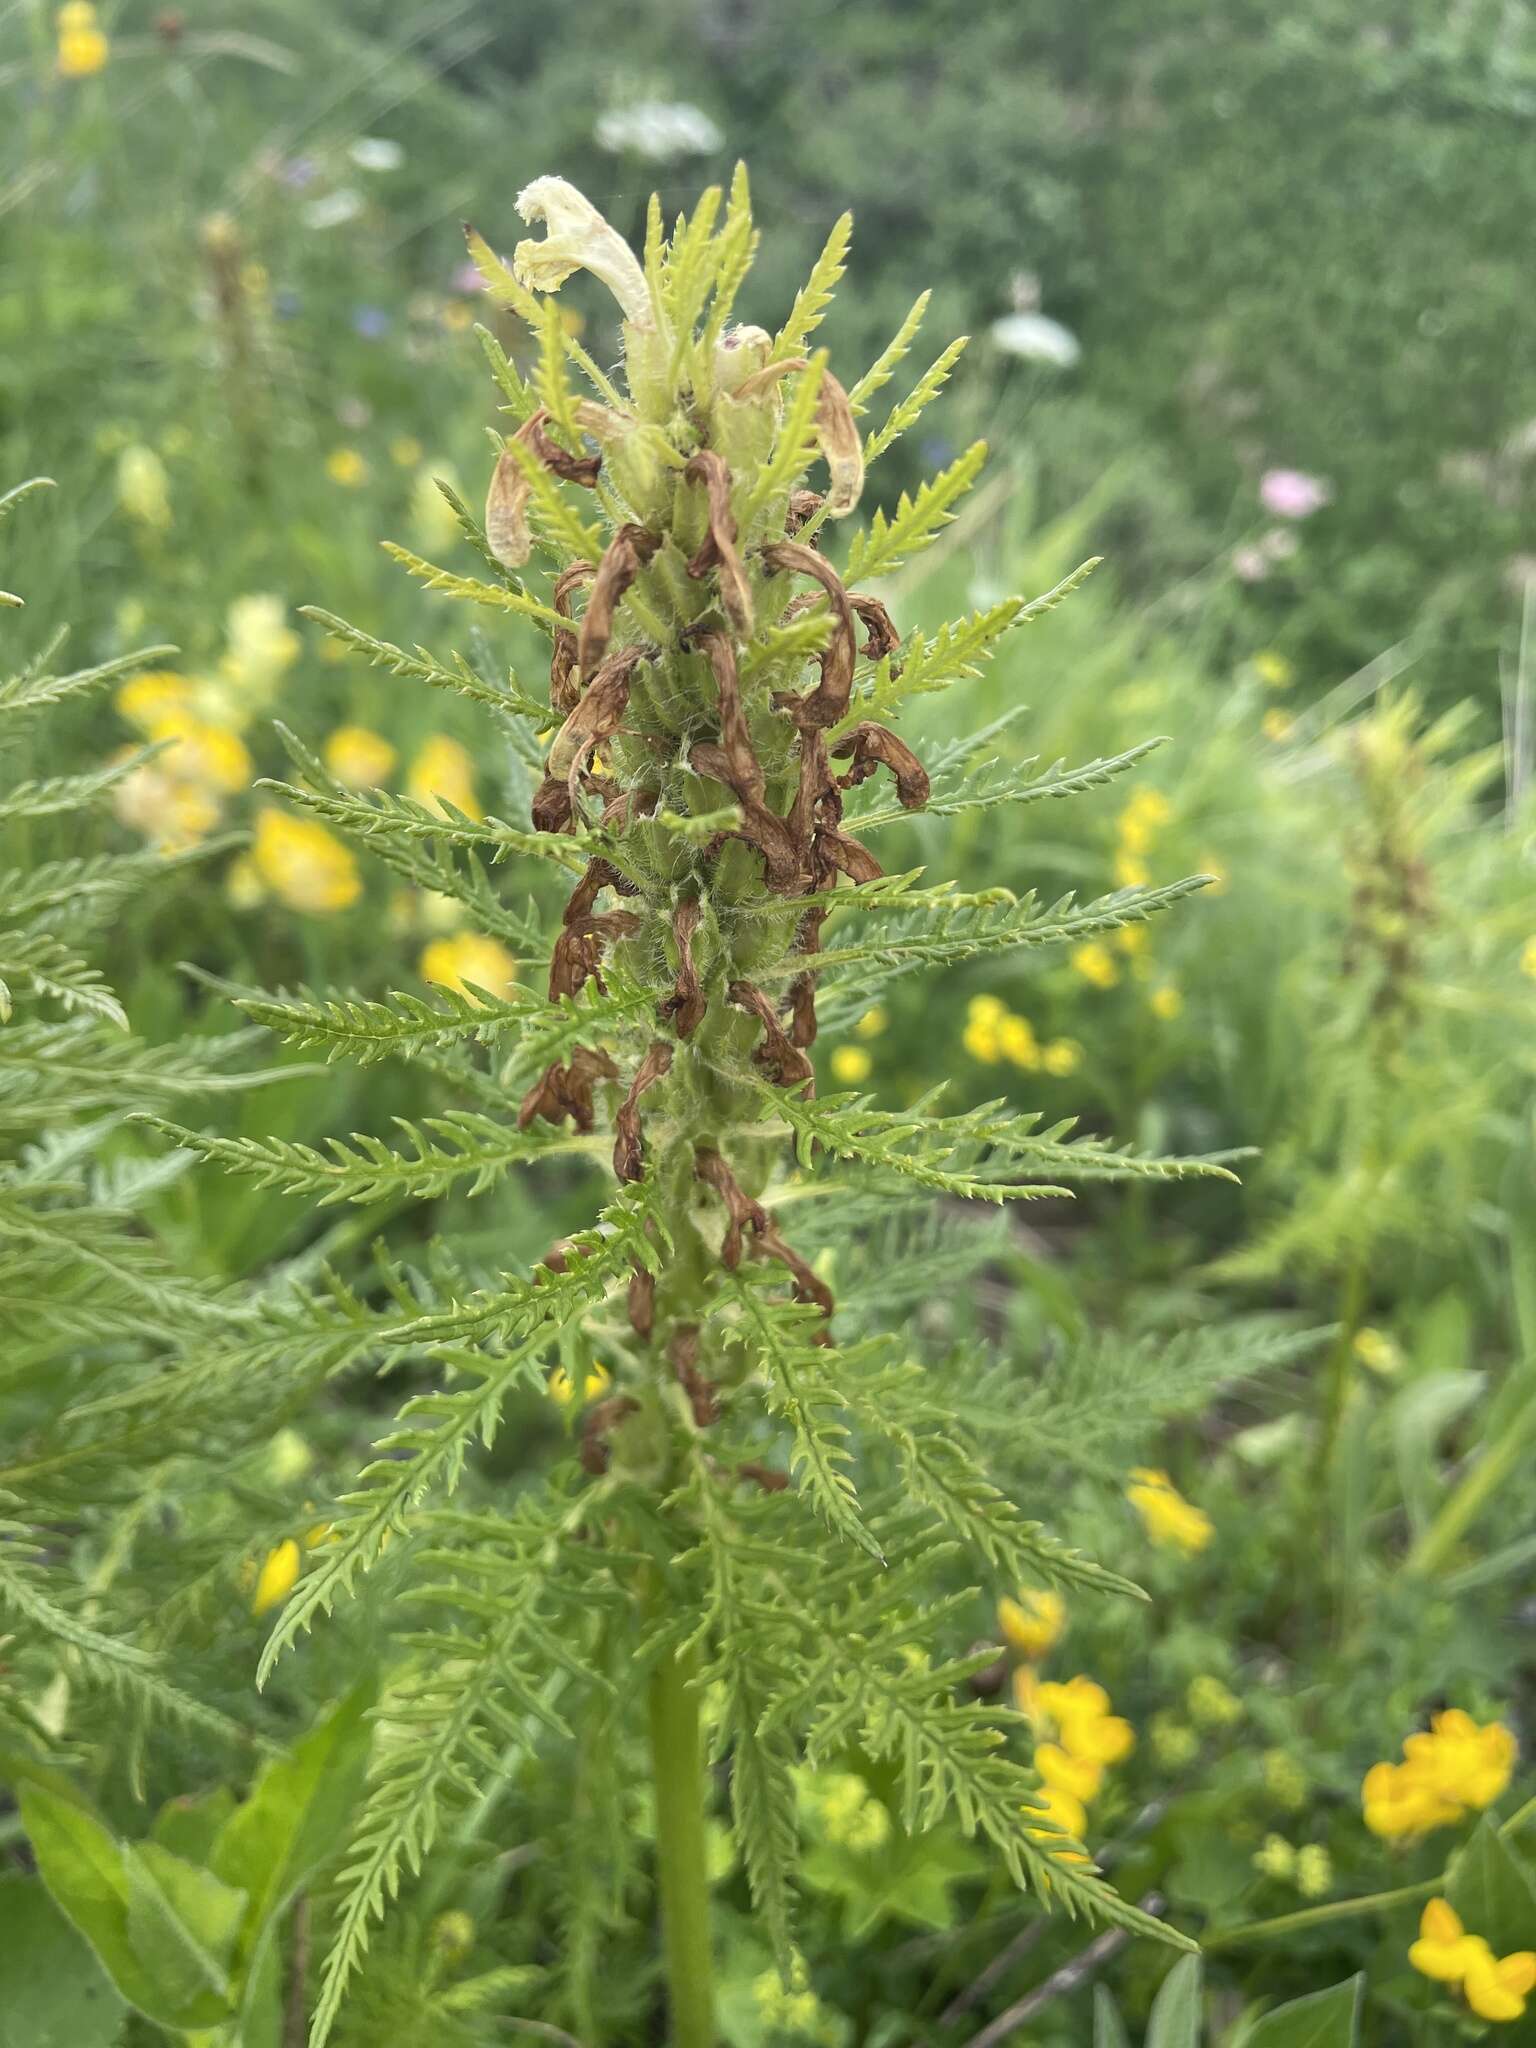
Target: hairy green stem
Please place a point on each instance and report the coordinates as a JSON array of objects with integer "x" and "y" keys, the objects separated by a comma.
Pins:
[
  {"x": 1468, "y": 1498},
  {"x": 677, "y": 1763}
]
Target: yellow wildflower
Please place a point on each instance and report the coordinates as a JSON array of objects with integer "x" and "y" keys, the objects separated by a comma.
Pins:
[
  {"x": 1062, "y": 1810},
  {"x": 851, "y": 1064},
  {"x": 1166, "y": 1515},
  {"x": 596, "y": 1383},
  {"x": 277, "y": 1578},
  {"x": 1496, "y": 1987},
  {"x": 1061, "y": 1056},
  {"x": 346, "y": 467},
  {"x": 872, "y": 1023},
  {"x": 209, "y": 755},
  {"x": 1273, "y": 670},
  {"x": 1376, "y": 1352},
  {"x": 1151, "y": 806},
  {"x": 983, "y": 1021},
  {"x": 1444, "y": 1948},
  {"x": 151, "y": 695},
  {"x": 1398, "y": 1800},
  {"x": 1166, "y": 1001},
  {"x": 358, "y": 757},
  {"x": 1463, "y": 1763},
  {"x": 260, "y": 648},
  {"x": 1033, "y": 1623},
  {"x": 83, "y": 48},
  {"x": 1087, "y": 1730},
  {"x": 1016, "y": 1041},
  {"x": 443, "y": 772},
  {"x": 1078, "y": 1776},
  {"x": 1528, "y": 957},
  {"x": 1131, "y": 871},
  {"x": 143, "y": 488},
  {"x": 1277, "y": 725},
  {"x": 1132, "y": 938},
  {"x": 406, "y": 450},
  {"x": 1275, "y": 1857},
  {"x": 171, "y": 814},
  {"x": 305, "y": 866},
  {"x": 467, "y": 958},
  {"x": 1211, "y": 1703},
  {"x": 1096, "y": 964}
]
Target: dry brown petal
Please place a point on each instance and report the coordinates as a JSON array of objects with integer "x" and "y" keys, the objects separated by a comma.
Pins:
[
  {"x": 597, "y": 715},
  {"x": 883, "y": 636},
  {"x": 629, "y": 1141},
  {"x": 734, "y": 762},
  {"x": 576, "y": 956},
  {"x": 756, "y": 382},
  {"x": 683, "y": 1351},
  {"x": 778, "y": 1056},
  {"x": 596, "y": 1425},
  {"x": 768, "y": 1244},
  {"x": 742, "y": 1213},
  {"x": 764, "y": 1476},
  {"x": 566, "y": 1091},
  {"x": 803, "y": 505},
  {"x": 564, "y": 688},
  {"x": 600, "y": 874},
  {"x": 571, "y": 469},
  {"x": 687, "y": 1003},
  {"x": 623, "y": 558},
  {"x": 718, "y": 549},
  {"x": 841, "y": 446},
  {"x": 507, "y": 533},
  {"x": 802, "y": 1010},
  {"x": 641, "y": 1302},
  {"x": 828, "y": 702},
  {"x": 875, "y": 745},
  {"x": 856, "y": 861}
]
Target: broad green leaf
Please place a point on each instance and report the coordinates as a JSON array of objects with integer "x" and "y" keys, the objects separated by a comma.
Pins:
[
  {"x": 1108, "y": 2027},
  {"x": 1493, "y": 1891},
  {"x": 128, "y": 1905},
  {"x": 1175, "y": 2017},
  {"x": 1323, "y": 2019},
  {"x": 189, "y": 1826},
  {"x": 53, "y": 1992}
]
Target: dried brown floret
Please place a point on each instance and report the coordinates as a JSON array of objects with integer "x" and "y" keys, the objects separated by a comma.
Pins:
[
  {"x": 756, "y": 382},
  {"x": 596, "y": 716},
  {"x": 742, "y": 1213},
  {"x": 778, "y": 1055},
  {"x": 718, "y": 548},
  {"x": 683, "y": 1351},
  {"x": 768, "y": 1244},
  {"x": 641, "y": 1302},
  {"x": 734, "y": 762},
  {"x": 597, "y": 1424},
  {"x": 564, "y": 685},
  {"x": 623, "y": 559},
  {"x": 506, "y": 502},
  {"x": 687, "y": 1003},
  {"x": 629, "y": 1141},
  {"x": 576, "y": 956},
  {"x": 828, "y": 702},
  {"x": 566, "y": 1091},
  {"x": 883, "y": 636},
  {"x": 571, "y": 469},
  {"x": 765, "y": 1476},
  {"x": 803, "y": 505},
  {"x": 875, "y": 745},
  {"x": 841, "y": 447},
  {"x": 856, "y": 861}
]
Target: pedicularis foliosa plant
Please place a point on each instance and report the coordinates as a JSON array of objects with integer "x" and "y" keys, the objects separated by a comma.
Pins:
[{"x": 766, "y": 1486}]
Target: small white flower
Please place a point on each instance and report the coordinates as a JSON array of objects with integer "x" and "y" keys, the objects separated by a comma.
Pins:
[
  {"x": 1037, "y": 339},
  {"x": 578, "y": 239},
  {"x": 334, "y": 210},
  {"x": 376, "y": 153},
  {"x": 658, "y": 130}
]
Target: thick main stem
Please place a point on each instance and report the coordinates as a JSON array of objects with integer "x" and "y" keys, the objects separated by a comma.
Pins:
[{"x": 677, "y": 1763}]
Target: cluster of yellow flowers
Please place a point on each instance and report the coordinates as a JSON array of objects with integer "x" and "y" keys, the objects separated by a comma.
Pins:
[
  {"x": 851, "y": 1064},
  {"x": 794, "y": 2008},
  {"x": 594, "y": 1385},
  {"x": 83, "y": 47},
  {"x": 1136, "y": 829},
  {"x": 178, "y": 798},
  {"x": 1495, "y": 1987},
  {"x": 849, "y": 1812},
  {"x": 1168, "y": 1518},
  {"x": 1309, "y": 1868},
  {"x": 993, "y": 1032},
  {"x": 1453, "y": 1768},
  {"x": 1077, "y": 1737},
  {"x": 466, "y": 961}
]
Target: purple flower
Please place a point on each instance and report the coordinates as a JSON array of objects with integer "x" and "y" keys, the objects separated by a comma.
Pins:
[
  {"x": 1292, "y": 494},
  {"x": 299, "y": 171},
  {"x": 467, "y": 279},
  {"x": 370, "y": 322}
]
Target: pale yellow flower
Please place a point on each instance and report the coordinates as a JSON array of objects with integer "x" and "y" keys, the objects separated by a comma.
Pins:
[
  {"x": 1096, "y": 964},
  {"x": 1166, "y": 1002},
  {"x": 1033, "y": 1623},
  {"x": 150, "y": 695},
  {"x": 303, "y": 864},
  {"x": 1131, "y": 871},
  {"x": 1166, "y": 1515},
  {"x": 594, "y": 1385},
  {"x": 443, "y": 772},
  {"x": 1277, "y": 725},
  {"x": 202, "y": 753},
  {"x": 1061, "y": 1056},
  {"x": 850, "y": 1065},
  {"x": 406, "y": 450},
  {"x": 83, "y": 49},
  {"x": 469, "y": 958},
  {"x": 346, "y": 467},
  {"x": 277, "y": 1578},
  {"x": 1017, "y": 1042},
  {"x": 1273, "y": 670},
  {"x": 872, "y": 1023},
  {"x": 1528, "y": 958},
  {"x": 143, "y": 488},
  {"x": 358, "y": 757}
]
